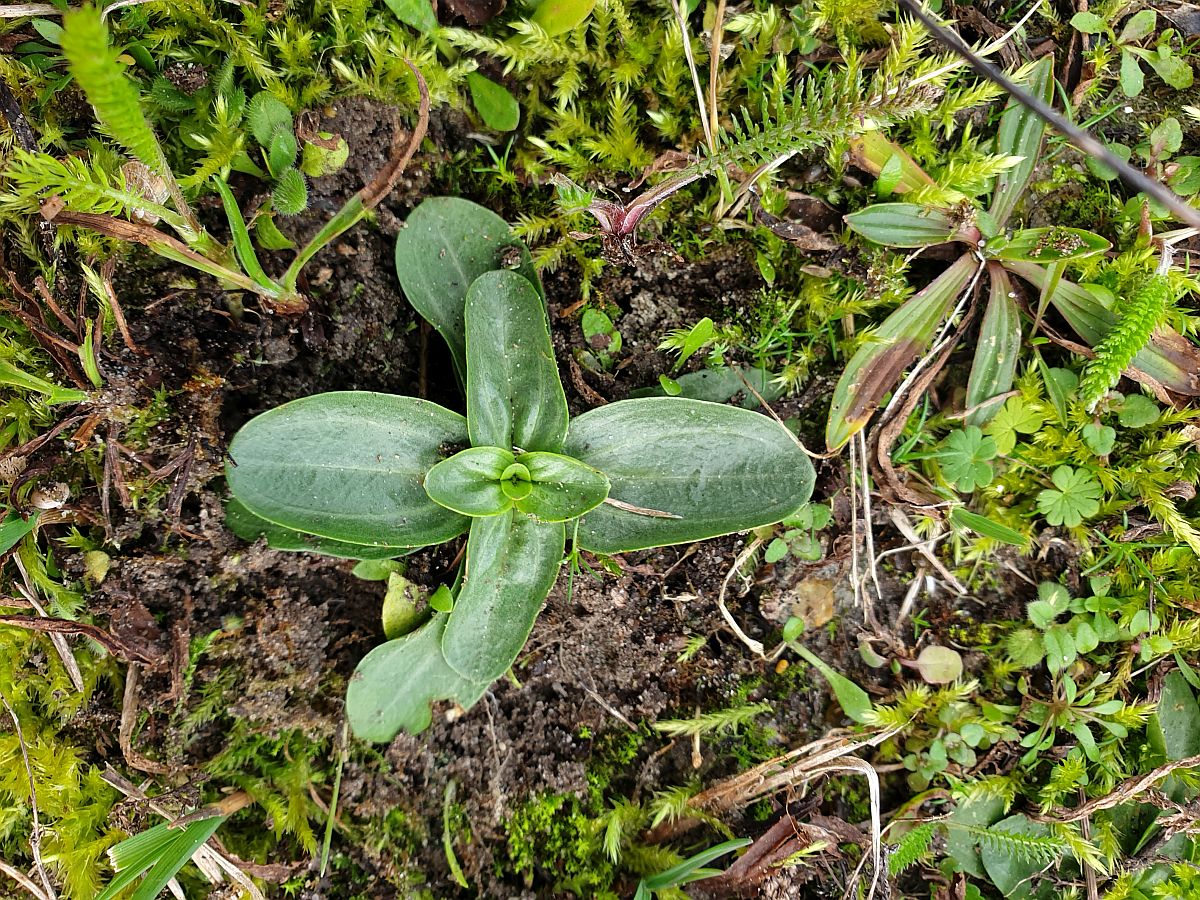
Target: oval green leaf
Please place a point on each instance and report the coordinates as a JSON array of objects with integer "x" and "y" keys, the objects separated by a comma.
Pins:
[
  {"x": 469, "y": 482},
  {"x": 903, "y": 225},
  {"x": 563, "y": 488},
  {"x": 1047, "y": 245},
  {"x": 560, "y": 16},
  {"x": 685, "y": 470},
  {"x": 394, "y": 685},
  {"x": 416, "y": 14},
  {"x": 446, "y": 244},
  {"x": 496, "y": 106},
  {"x": 250, "y": 527},
  {"x": 720, "y": 386},
  {"x": 512, "y": 562},
  {"x": 878, "y": 364},
  {"x": 514, "y": 396},
  {"x": 348, "y": 466}
]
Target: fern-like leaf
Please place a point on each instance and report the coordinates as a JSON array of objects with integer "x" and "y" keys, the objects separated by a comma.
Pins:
[
  {"x": 95, "y": 67},
  {"x": 1040, "y": 849},
  {"x": 81, "y": 184},
  {"x": 1143, "y": 311},
  {"x": 913, "y": 847},
  {"x": 722, "y": 720}
]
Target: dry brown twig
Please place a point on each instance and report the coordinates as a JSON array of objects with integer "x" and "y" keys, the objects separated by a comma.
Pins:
[
  {"x": 714, "y": 68},
  {"x": 756, "y": 647},
  {"x": 1127, "y": 790},
  {"x": 61, "y": 647},
  {"x": 35, "y": 836},
  {"x": 120, "y": 649},
  {"x": 795, "y": 767},
  {"x": 128, "y": 721},
  {"x": 701, "y": 108}
]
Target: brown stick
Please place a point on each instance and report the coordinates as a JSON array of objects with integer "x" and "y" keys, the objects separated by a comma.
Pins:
[
  {"x": 128, "y": 721},
  {"x": 1127, "y": 790},
  {"x": 122, "y": 326},
  {"x": 35, "y": 837},
  {"x": 43, "y": 290},
  {"x": 385, "y": 179},
  {"x": 114, "y": 645},
  {"x": 887, "y": 432},
  {"x": 22, "y": 879}
]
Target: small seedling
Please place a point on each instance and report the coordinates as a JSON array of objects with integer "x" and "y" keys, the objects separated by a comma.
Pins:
[
  {"x": 800, "y": 535},
  {"x": 385, "y": 474},
  {"x": 83, "y": 194},
  {"x": 1162, "y": 59}
]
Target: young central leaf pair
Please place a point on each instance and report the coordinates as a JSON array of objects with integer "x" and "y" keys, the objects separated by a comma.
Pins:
[
  {"x": 513, "y": 481},
  {"x": 370, "y": 476}
]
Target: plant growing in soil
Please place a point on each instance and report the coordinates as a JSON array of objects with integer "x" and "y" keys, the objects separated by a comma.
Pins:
[
  {"x": 372, "y": 475},
  {"x": 1129, "y": 337},
  {"x": 80, "y": 192}
]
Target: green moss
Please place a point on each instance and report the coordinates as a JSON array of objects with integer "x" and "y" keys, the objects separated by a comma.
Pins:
[
  {"x": 612, "y": 752},
  {"x": 553, "y": 839}
]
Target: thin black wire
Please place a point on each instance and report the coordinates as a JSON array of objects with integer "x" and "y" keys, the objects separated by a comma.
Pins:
[{"x": 1081, "y": 139}]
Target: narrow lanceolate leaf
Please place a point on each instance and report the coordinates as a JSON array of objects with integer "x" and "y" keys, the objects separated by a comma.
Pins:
[
  {"x": 242, "y": 244},
  {"x": 514, "y": 395},
  {"x": 984, "y": 526},
  {"x": 95, "y": 67},
  {"x": 903, "y": 224},
  {"x": 443, "y": 247},
  {"x": 512, "y": 562},
  {"x": 1020, "y": 134},
  {"x": 878, "y": 364},
  {"x": 250, "y": 527},
  {"x": 1046, "y": 245},
  {"x": 348, "y": 466},
  {"x": 996, "y": 352},
  {"x": 685, "y": 470},
  {"x": 1169, "y": 359},
  {"x": 469, "y": 482},
  {"x": 563, "y": 488},
  {"x": 394, "y": 685},
  {"x": 14, "y": 527},
  {"x": 159, "y": 852}
]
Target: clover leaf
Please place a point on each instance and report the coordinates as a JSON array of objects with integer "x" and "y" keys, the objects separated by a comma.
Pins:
[
  {"x": 1074, "y": 497},
  {"x": 966, "y": 458}
]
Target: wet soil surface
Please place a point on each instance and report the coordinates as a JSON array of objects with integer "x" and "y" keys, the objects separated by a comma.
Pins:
[{"x": 604, "y": 656}]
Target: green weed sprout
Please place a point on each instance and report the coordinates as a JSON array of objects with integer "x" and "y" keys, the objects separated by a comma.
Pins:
[
  {"x": 371, "y": 475},
  {"x": 74, "y": 192}
]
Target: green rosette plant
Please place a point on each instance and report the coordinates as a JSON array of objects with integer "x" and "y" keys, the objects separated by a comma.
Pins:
[{"x": 369, "y": 475}]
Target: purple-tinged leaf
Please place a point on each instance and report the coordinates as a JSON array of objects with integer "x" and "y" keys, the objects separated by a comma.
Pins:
[{"x": 904, "y": 335}]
